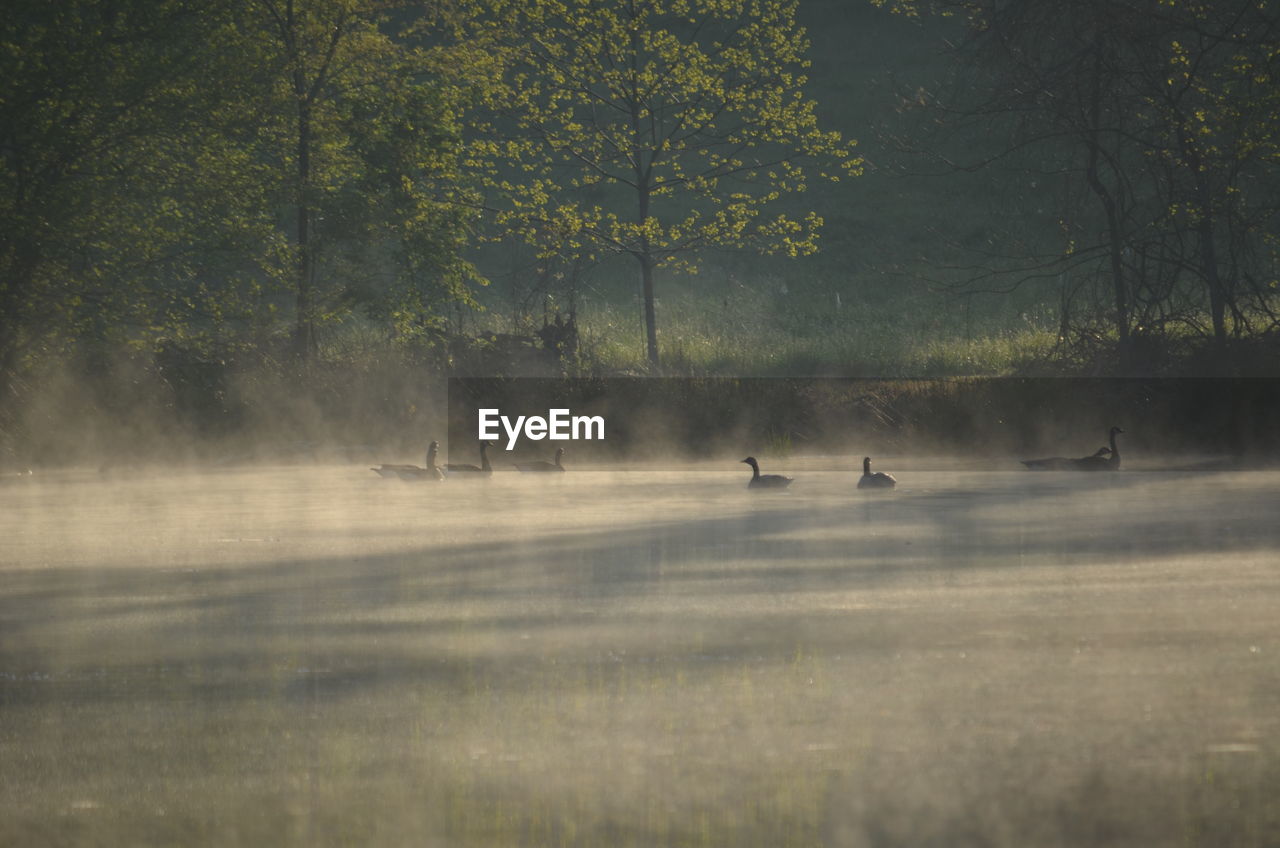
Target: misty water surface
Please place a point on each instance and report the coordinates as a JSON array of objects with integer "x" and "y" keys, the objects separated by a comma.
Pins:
[{"x": 315, "y": 655}]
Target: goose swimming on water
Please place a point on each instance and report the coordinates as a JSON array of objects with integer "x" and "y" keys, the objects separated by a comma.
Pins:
[
  {"x": 765, "y": 481},
  {"x": 879, "y": 480},
  {"x": 1097, "y": 462},
  {"x": 414, "y": 472},
  {"x": 1104, "y": 459},
  {"x": 542, "y": 464},
  {"x": 463, "y": 468}
]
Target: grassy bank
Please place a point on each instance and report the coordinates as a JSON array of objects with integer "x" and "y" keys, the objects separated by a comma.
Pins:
[
  {"x": 786, "y": 327},
  {"x": 928, "y": 375}
]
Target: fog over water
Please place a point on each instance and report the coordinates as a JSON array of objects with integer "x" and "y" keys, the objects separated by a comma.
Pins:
[{"x": 315, "y": 655}]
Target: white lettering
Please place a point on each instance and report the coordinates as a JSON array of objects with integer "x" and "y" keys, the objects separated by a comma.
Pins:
[
  {"x": 487, "y": 421},
  {"x": 587, "y": 422},
  {"x": 559, "y": 424},
  {"x": 513, "y": 433}
]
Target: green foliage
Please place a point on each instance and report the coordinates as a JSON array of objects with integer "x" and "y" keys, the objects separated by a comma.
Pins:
[
  {"x": 208, "y": 173},
  {"x": 362, "y": 129},
  {"x": 654, "y": 129},
  {"x": 97, "y": 110}
]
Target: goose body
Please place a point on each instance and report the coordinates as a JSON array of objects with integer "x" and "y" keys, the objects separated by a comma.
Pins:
[
  {"x": 765, "y": 481},
  {"x": 462, "y": 468},
  {"x": 1065, "y": 463},
  {"x": 1104, "y": 459},
  {"x": 878, "y": 480},
  {"x": 414, "y": 475},
  {"x": 1111, "y": 462},
  {"x": 541, "y": 464},
  {"x": 389, "y": 470},
  {"x": 414, "y": 472}
]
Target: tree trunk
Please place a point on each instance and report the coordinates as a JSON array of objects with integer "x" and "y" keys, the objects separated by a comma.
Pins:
[
  {"x": 18, "y": 288},
  {"x": 1110, "y": 207},
  {"x": 650, "y": 314},
  {"x": 1207, "y": 250},
  {"x": 1209, "y": 266},
  {"x": 1115, "y": 237},
  {"x": 304, "y": 333},
  {"x": 645, "y": 257}
]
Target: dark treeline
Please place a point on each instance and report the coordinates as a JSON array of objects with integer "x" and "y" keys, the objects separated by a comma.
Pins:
[
  {"x": 1147, "y": 129},
  {"x": 203, "y": 203}
]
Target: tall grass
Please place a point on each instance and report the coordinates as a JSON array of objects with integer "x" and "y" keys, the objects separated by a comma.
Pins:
[{"x": 758, "y": 333}]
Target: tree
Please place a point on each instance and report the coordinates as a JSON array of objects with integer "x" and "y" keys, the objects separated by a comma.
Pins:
[
  {"x": 1162, "y": 111},
  {"x": 1054, "y": 76},
  {"x": 363, "y": 129},
  {"x": 1212, "y": 138},
  {"x": 96, "y": 108},
  {"x": 654, "y": 128},
  {"x": 172, "y": 169}
]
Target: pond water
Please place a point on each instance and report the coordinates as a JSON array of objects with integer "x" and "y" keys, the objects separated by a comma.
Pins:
[{"x": 315, "y": 655}]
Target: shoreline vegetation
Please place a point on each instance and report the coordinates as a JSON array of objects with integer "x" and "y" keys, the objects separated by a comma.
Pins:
[{"x": 133, "y": 409}]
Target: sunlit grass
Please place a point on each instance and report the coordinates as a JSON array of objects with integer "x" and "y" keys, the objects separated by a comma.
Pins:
[
  {"x": 996, "y": 355},
  {"x": 744, "y": 337},
  {"x": 807, "y": 327}
]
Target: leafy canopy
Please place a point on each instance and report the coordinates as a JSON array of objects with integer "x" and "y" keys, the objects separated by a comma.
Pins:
[{"x": 655, "y": 127}]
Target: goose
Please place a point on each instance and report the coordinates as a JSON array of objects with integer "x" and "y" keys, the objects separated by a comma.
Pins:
[
  {"x": 542, "y": 464},
  {"x": 1097, "y": 462},
  {"x": 879, "y": 480},
  {"x": 1064, "y": 463},
  {"x": 462, "y": 468},
  {"x": 765, "y": 481},
  {"x": 1103, "y": 459},
  {"x": 413, "y": 472}
]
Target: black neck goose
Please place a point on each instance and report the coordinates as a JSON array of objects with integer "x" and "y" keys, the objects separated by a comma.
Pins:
[
  {"x": 765, "y": 481},
  {"x": 430, "y": 472},
  {"x": 484, "y": 467},
  {"x": 1104, "y": 459},
  {"x": 878, "y": 480},
  {"x": 1113, "y": 461},
  {"x": 414, "y": 472},
  {"x": 541, "y": 464}
]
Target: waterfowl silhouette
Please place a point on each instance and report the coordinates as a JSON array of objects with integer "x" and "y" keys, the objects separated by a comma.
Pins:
[
  {"x": 463, "y": 468},
  {"x": 765, "y": 481},
  {"x": 414, "y": 472},
  {"x": 431, "y": 472},
  {"x": 1097, "y": 462},
  {"x": 1104, "y": 459},
  {"x": 542, "y": 464},
  {"x": 879, "y": 480}
]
